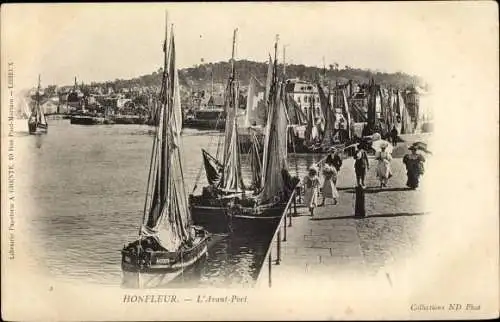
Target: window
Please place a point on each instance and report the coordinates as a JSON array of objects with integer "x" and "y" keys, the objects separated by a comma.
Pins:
[
  {"x": 305, "y": 110},
  {"x": 298, "y": 99},
  {"x": 305, "y": 99}
]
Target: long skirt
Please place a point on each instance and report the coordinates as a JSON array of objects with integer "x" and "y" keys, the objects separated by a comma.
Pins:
[
  {"x": 413, "y": 179},
  {"x": 311, "y": 197},
  {"x": 384, "y": 170},
  {"x": 329, "y": 189}
]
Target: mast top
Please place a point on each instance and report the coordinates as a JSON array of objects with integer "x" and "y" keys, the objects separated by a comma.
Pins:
[{"x": 233, "y": 51}]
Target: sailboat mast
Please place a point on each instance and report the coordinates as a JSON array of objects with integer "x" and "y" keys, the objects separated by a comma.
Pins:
[
  {"x": 284, "y": 62},
  {"x": 158, "y": 119},
  {"x": 233, "y": 51},
  {"x": 38, "y": 91}
]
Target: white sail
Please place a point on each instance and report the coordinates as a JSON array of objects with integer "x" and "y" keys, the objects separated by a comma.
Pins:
[
  {"x": 43, "y": 120},
  {"x": 250, "y": 110},
  {"x": 232, "y": 179}
]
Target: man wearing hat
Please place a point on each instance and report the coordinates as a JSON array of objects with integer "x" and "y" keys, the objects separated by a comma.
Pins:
[{"x": 361, "y": 164}]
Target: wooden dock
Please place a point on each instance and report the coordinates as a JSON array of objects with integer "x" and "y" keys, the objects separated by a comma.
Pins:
[{"x": 335, "y": 243}]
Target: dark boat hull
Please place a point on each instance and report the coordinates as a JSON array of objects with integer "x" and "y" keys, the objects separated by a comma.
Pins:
[
  {"x": 87, "y": 120},
  {"x": 201, "y": 124},
  {"x": 35, "y": 128},
  {"x": 32, "y": 127},
  {"x": 224, "y": 218},
  {"x": 163, "y": 261}
]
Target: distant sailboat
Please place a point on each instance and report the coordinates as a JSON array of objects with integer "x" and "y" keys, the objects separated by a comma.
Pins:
[
  {"x": 37, "y": 121},
  {"x": 167, "y": 242}
]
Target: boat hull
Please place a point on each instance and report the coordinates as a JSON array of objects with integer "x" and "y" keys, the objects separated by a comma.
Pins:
[
  {"x": 32, "y": 127},
  {"x": 164, "y": 261},
  {"x": 87, "y": 120},
  {"x": 225, "y": 218},
  {"x": 35, "y": 128},
  {"x": 201, "y": 124}
]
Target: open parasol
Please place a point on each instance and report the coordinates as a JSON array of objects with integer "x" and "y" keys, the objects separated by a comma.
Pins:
[
  {"x": 378, "y": 144},
  {"x": 421, "y": 146}
]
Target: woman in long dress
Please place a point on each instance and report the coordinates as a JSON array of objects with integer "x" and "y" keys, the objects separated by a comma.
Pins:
[
  {"x": 329, "y": 190},
  {"x": 414, "y": 167},
  {"x": 311, "y": 187},
  {"x": 384, "y": 171}
]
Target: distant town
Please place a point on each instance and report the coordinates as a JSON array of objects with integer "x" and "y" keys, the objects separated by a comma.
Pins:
[{"x": 202, "y": 96}]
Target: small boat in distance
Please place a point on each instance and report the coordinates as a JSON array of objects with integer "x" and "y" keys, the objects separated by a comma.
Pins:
[
  {"x": 168, "y": 242},
  {"x": 37, "y": 121}
]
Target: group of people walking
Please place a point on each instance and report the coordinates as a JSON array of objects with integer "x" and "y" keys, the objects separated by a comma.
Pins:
[{"x": 312, "y": 183}]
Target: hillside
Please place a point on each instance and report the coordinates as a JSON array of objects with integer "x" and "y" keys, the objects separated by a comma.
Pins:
[{"x": 200, "y": 76}]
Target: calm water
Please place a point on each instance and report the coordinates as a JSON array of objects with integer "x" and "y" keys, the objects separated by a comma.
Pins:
[{"x": 83, "y": 189}]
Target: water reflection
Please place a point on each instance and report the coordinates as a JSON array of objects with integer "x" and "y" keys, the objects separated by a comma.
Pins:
[{"x": 81, "y": 189}]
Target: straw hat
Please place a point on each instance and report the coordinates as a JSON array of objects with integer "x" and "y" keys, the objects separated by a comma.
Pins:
[{"x": 412, "y": 147}]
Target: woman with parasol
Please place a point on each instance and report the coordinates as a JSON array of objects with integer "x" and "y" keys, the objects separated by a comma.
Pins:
[
  {"x": 383, "y": 151},
  {"x": 311, "y": 186},
  {"x": 414, "y": 163}
]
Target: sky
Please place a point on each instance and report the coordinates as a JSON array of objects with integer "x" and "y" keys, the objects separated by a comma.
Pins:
[{"x": 98, "y": 42}]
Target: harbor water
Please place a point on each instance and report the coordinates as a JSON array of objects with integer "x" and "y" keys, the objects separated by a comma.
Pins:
[{"x": 81, "y": 189}]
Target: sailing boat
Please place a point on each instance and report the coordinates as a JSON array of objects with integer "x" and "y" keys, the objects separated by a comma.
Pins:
[
  {"x": 225, "y": 178},
  {"x": 227, "y": 203},
  {"x": 37, "y": 121},
  {"x": 167, "y": 242},
  {"x": 268, "y": 202}
]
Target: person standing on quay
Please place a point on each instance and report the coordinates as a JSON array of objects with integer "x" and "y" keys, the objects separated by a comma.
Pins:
[
  {"x": 329, "y": 190},
  {"x": 414, "y": 167},
  {"x": 394, "y": 135},
  {"x": 337, "y": 161},
  {"x": 311, "y": 187},
  {"x": 384, "y": 165},
  {"x": 361, "y": 165}
]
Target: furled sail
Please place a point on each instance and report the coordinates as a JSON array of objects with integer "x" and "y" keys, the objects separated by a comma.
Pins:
[
  {"x": 295, "y": 114},
  {"x": 407, "y": 124},
  {"x": 346, "y": 113},
  {"x": 311, "y": 131},
  {"x": 328, "y": 136},
  {"x": 255, "y": 162},
  {"x": 168, "y": 218},
  {"x": 213, "y": 168}
]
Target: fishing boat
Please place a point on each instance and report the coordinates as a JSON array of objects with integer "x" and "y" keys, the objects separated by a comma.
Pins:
[
  {"x": 37, "y": 122},
  {"x": 224, "y": 177},
  {"x": 274, "y": 187},
  {"x": 167, "y": 242},
  {"x": 262, "y": 205}
]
